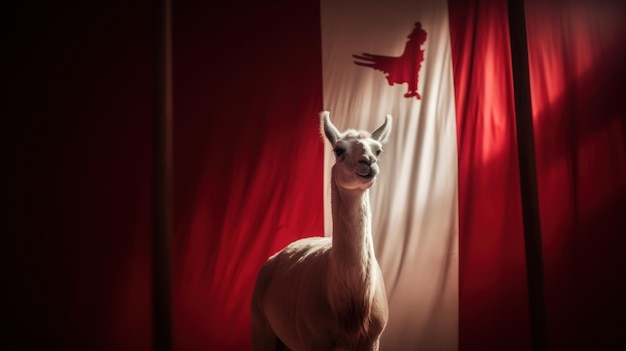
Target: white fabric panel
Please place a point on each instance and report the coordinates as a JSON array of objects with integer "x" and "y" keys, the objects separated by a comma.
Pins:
[{"x": 414, "y": 202}]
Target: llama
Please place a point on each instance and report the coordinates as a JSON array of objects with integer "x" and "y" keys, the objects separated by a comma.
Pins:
[{"x": 327, "y": 293}]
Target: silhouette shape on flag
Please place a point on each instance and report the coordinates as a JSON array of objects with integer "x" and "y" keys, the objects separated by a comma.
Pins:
[{"x": 401, "y": 69}]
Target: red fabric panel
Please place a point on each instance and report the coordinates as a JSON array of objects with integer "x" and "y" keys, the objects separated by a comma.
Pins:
[
  {"x": 248, "y": 156},
  {"x": 76, "y": 120},
  {"x": 577, "y": 53},
  {"x": 493, "y": 307}
]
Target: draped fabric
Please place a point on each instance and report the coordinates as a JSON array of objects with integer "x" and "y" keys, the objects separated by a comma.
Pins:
[
  {"x": 251, "y": 168},
  {"x": 493, "y": 302},
  {"x": 248, "y": 157},
  {"x": 76, "y": 147},
  {"x": 577, "y": 53}
]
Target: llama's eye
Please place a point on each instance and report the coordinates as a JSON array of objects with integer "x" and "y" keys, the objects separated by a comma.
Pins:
[
  {"x": 339, "y": 151},
  {"x": 378, "y": 152}
]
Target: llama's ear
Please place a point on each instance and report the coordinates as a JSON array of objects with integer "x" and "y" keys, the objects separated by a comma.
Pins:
[
  {"x": 328, "y": 128},
  {"x": 382, "y": 133}
]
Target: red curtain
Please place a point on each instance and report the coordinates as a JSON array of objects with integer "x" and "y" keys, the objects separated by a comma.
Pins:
[
  {"x": 248, "y": 157},
  {"x": 76, "y": 112},
  {"x": 493, "y": 305},
  {"x": 577, "y": 52}
]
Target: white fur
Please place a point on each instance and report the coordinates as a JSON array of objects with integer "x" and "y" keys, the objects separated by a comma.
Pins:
[{"x": 328, "y": 293}]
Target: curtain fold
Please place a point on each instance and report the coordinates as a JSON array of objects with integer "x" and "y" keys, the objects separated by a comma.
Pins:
[
  {"x": 576, "y": 56},
  {"x": 493, "y": 308}
]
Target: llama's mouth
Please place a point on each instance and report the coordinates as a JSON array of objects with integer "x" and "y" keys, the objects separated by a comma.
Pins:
[{"x": 366, "y": 171}]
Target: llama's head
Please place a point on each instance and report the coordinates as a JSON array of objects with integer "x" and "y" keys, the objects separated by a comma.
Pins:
[{"x": 356, "y": 153}]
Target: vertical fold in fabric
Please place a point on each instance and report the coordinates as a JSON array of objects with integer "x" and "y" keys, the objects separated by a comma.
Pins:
[
  {"x": 415, "y": 217},
  {"x": 493, "y": 304}
]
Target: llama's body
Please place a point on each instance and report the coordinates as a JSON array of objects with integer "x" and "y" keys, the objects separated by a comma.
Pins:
[{"x": 328, "y": 293}]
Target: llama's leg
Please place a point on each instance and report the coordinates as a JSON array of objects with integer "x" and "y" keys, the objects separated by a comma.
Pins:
[
  {"x": 375, "y": 345},
  {"x": 263, "y": 337}
]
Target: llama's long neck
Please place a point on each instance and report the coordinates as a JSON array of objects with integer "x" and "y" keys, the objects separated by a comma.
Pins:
[
  {"x": 353, "y": 249},
  {"x": 352, "y": 260}
]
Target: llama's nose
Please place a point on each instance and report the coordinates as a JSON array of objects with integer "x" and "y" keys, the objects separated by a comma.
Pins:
[{"x": 367, "y": 159}]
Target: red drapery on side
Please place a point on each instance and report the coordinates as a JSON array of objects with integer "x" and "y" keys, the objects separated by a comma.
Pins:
[
  {"x": 577, "y": 53},
  {"x": 248, "y": 157},
  {"x": 76, "y": 114}
]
